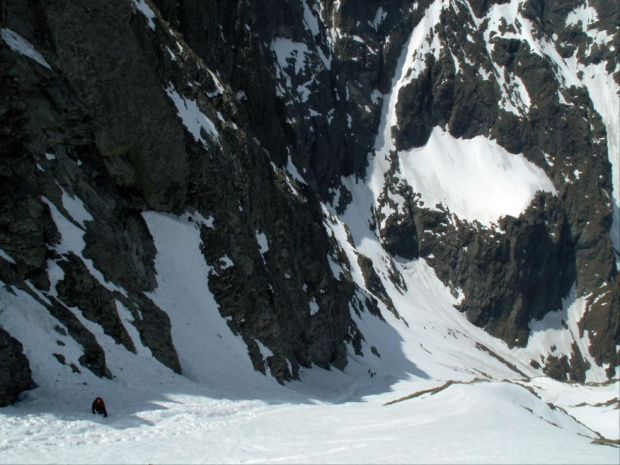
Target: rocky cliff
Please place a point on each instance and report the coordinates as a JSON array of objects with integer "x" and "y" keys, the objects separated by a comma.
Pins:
[{"x": 264, "y": 121}]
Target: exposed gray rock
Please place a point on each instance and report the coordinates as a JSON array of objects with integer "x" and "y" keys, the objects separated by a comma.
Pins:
[
  {"x": 79, "y": 289},
  {"x": 119, "y": 89},
  {"x": 15, "y": 374}
]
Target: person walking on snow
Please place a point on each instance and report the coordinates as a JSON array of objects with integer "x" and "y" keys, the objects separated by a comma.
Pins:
[{"x": 99, "y": 407}]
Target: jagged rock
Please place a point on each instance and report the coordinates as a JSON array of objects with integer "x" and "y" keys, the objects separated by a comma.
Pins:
[
  {"x": 94, "y": 356},
  {"x": 120, "y": 168},
  {"x": 117, "y": 91},
  {"x": 15, "y": 374},
  {"x": 373, "y": 282},
  {"x": 81, "y": 290},
  {"x": 601, "y": 323},
  {"x": 533, "y": 283},
  {"x": 564, "y": 368},
  {"x": 397, "y": 228},
  {"x": 524, "y": 266}
]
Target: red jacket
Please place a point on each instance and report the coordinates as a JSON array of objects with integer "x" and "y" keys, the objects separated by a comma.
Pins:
[{"x": 99, "y": 407}]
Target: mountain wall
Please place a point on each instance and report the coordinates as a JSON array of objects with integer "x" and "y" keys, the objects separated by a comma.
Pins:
[{"x": 256, "y": 118}]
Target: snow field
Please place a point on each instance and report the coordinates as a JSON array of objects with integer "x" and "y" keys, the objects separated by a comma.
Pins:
[
  {"x": 224, "y": 412},
  {"x": 479, "y": 423},
  {"x": 475, "y": 178},
  {"x": 206, "y": 347}
]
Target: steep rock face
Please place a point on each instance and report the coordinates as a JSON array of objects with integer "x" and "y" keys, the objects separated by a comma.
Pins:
[
  {"x": 15, "y": 374},
  {"x": 93, "y": 168},
  {"x": 54, "y": 169},
  {"x": 310, "y": 87},
  {"x": 522, "y": 265},
  {"x": 331, "y": 67}
]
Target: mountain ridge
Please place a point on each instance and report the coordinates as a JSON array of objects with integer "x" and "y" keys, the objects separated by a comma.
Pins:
[{"x": 261, "y": 128}]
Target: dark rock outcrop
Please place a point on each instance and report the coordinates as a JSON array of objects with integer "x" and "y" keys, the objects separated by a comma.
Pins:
[{"x": 15, "y": 374}]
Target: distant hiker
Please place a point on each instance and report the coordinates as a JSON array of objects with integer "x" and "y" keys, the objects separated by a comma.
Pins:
[{"x": 99, "y": 407}]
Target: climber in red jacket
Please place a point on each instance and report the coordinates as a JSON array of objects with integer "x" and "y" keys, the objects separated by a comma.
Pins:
[{"x": 99, "y": 407}]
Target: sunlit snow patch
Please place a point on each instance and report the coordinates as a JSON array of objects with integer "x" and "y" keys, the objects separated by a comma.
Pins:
[
  {"x": 146, "y": 11},
  {"x": 193, "y": 119},
  {"x": 22, "y": 46},
  {"x": 475, "y": 178},
  {"x": 206, "y": 347},
  {"x": 422, "y": 42},
  {"x": 289, "y": 52}
]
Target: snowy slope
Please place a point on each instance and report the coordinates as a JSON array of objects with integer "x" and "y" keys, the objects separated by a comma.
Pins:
[
  {"x": 223, "y": 411},
  {"x": 242, "y": 416},
  {"x": 481, "y": 423},
  {"x": 476, "y": 179}
]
